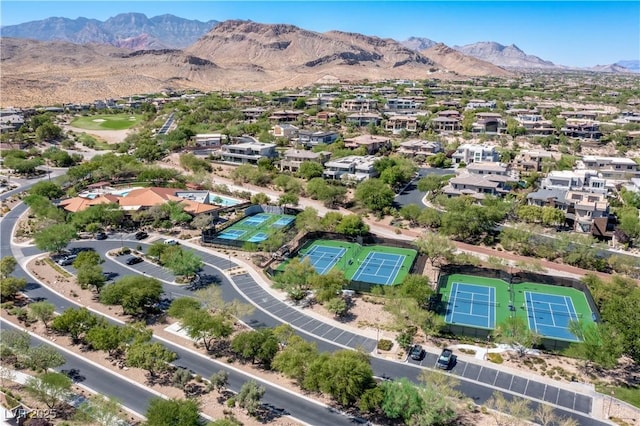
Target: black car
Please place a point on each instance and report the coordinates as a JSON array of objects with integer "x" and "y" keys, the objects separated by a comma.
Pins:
[
  {"x": 416, "y": 353},
  {"x": 141, "y": 235},
  {"x": 445, "y": 359},
  {"x": 133, "y": 260},
  {"x": 101, "y": 236}
]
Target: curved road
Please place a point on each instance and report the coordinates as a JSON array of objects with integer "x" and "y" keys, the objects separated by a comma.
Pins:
[{"x": 477, "y": 381}]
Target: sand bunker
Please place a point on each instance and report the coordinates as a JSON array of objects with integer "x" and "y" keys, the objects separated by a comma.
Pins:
[{"x": 98, "y": 120}]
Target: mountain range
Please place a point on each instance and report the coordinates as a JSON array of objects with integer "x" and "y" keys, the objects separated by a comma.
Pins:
[
  {"x": 129, "y": 30},
  {"x": 131, "y": 53}
]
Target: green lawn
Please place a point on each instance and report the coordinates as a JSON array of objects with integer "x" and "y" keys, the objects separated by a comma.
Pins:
[
  {"x": 107, "y": 121},
  {"x": 624, "y": 393}
]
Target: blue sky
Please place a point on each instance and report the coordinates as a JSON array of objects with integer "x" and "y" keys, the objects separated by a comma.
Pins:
[{"x": 575, "y": 33}]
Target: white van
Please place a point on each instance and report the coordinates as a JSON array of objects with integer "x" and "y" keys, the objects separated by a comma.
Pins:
[{"x": 171, "y": 242}]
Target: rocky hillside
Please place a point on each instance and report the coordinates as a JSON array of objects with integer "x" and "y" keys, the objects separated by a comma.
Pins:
[
  {"x": 418, "y": 43},
  {"x": 448, "y": 58},
  {"x": 504, "y": 56},
  {"x": 235, "y": 55},
  {"x": 128, "y": 30}
]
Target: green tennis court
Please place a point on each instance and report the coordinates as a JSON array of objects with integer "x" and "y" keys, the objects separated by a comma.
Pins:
[
  {"x": 474, "y": 301},
  {"x": 377, "y": 264},
  {"x": 256, "y": 228}
]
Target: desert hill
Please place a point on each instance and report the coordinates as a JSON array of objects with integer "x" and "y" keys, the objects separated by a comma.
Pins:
[
  {"x": 234, "y": 55},
  {"x": 448, "y": 58}
]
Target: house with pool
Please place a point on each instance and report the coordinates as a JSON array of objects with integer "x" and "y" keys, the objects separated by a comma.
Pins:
[{"x": 142, "y": 198}]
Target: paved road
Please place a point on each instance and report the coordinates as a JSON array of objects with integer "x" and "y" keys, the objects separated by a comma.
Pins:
[
  {"x": 410, "y": 194},
  {"x": 321, "y": 333}
]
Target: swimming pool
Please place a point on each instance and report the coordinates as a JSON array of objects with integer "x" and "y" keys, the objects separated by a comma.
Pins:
[{"x": 223, "y": 201}]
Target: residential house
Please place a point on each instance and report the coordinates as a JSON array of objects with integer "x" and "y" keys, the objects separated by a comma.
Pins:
[
  {"x": 208, "y": 140},
  {"x": 414, "y": 147},
  {"x": 535, "y": 124},
  {"x": 582, "y": 209},
  {"x": 488, "y": 123},
  {"x": 472, "y": 153},
  {"x": 480, "y": 168},
  {"x": 529, "y": 161},
  {"x": 293, "y": 158},
  {"x": 386, "y": 90},
  {"x": 575, "y": 180},
  {"x": 285, "y": 130},
  {"x": 249, "y": 152},
  {"x": 253, "y": 114},
  {"x": 582, "y": 129},
  {"x": 479, "y": 103},
  {"x": 11, "y": 122},
  {"x": 476, "y": 185},
  {"x": 371, "y": 143},
  {"x": 310, "y": 138},
  {"x": 359, "y": 104},
  {"x": 401, "y": 105},
  {"x": 362, "y": 119},
  {"x": 285, "y": 116},
  {"x": 354, "y": 168},
  {"x": 398, "y": 123},
  {"x": 580, "y": 115},
  {"x": 611, "y": 168},
  {"x": 447, "y": 121}
]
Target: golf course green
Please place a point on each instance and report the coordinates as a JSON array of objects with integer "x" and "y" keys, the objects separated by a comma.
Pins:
[{"x": 107, "y": 121}]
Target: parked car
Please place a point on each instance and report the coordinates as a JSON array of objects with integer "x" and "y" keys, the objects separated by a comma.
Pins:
[
  {"x": 445, "y": 359},
  {"x": 68, "y": 260},
  {"x": 101, "y": 236},
  {"x": 416, "y": 353},
  {"x": 141, "y": 235},
  {"x": 133, "y": 260},
  {"x": 171, "y": 242}
]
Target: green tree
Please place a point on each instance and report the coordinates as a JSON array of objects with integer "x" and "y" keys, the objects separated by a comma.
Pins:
[
  {"x": 329, "y": 285},
  {"x": 219, "y": 380},
  {"x": 432, "y": 183},
  {"x": 415, "y": 287},
  {"x": 7, "y": 266},
  {"x": 87, "y": 258},
  {"x": 296, "y": 278},
  {"x": 173, "y": 412},
  {"x": 293, "y": 360},
  {"x": 43, "y": 358},
  {"x": 516, "y": 332},
  {"x": 260, "y": 198},
  {"x": 135, "y": 294},
  {"x": 411, "y": 212},
  {"x": 101, "y": 409},
  {"x": 181, "y": 262},
  {"x": 180, "y": 307},
  {"x": 55, "y": 237},
  {"x": 552, "y": 216},
  {"x": 259, "y": 345},
  {"x": 47, "y": 189},
  {"x": 75, "y": 322},
  {"x": 308, "y": 220},
  {"x": 249, "y": 397},
  {"x": 402, "y": 399},
  {"x": 49, "y": 388},
  {"x": 352, "y": 225},
  {"x": 435, "y": 247},
  {"x": 48, "y": 132},
  {"x": 153, "y": 357},
  {"x": 371, "y": 400},
  {"x": 90, "y": 276},
  {"x": 42, "y": 311},
  {"x": 337, "y": 306},
  {"x": 374, "y": 194},
  {"x": 11, "y": 286},
  {"x": 203, "y": 326},
  {"x": 310, "y": 169},
  {"x": 600, "y": 344}
]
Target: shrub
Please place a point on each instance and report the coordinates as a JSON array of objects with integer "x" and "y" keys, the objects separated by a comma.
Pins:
[
  {"x": 385, "y": 345},
  {"x": 496, "y": 358},
  {"x": 231, "y": 402}
]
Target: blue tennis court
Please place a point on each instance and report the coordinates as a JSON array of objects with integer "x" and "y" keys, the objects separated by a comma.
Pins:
[
  {"x": 260, "y": 236},
  {"x": 323, "y": 258},
  {"x": 256, "y": 220},
  {"x": 549, "y": 315},
  {"x": 379, "y": 268},
  {"x": 231, "y": 234},
  {"x": 283, "y": 221},
  {"x": 472, "y": 305}
]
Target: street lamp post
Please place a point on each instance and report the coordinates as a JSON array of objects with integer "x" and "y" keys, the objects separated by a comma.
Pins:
[{"x": 377, "y": 338}]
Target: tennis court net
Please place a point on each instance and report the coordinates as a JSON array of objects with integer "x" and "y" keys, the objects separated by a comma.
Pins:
[
  {"x": 536, "y": 310},
  {"x": 460, "y": 300}
]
